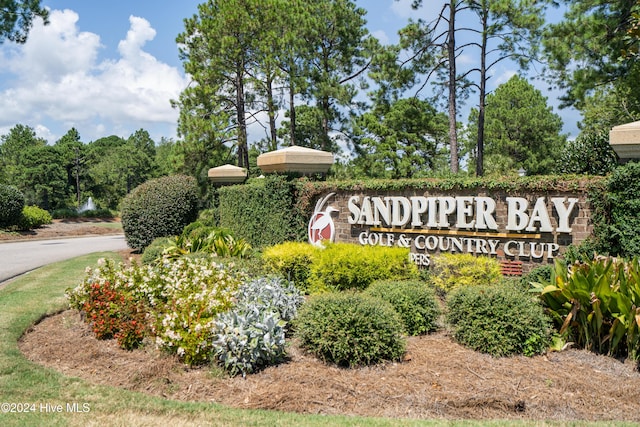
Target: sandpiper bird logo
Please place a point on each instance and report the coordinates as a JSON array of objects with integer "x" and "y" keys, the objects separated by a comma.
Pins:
[{"x": 321, "y": 226}]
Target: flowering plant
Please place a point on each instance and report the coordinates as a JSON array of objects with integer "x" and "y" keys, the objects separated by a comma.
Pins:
[
  {"x": 113, "y": 313},
  {"x": 197, "y": 291},
  {"x": 179, "y": 300}
]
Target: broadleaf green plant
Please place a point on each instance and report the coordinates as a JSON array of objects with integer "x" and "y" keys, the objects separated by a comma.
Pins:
[{"x": 596, "y": 304}]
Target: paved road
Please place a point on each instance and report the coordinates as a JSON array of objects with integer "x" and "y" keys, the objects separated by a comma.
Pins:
[{"x": 19, "y": 257}]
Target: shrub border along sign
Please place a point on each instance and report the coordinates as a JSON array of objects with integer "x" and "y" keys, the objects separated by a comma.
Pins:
[{"x": 531, "y": 228}]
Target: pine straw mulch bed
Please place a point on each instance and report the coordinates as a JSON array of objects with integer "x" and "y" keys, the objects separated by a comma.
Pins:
[{"x": 438, "y": 379}]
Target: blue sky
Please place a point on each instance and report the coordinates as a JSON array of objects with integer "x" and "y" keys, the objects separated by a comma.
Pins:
[{"x": 110, "y": 68}]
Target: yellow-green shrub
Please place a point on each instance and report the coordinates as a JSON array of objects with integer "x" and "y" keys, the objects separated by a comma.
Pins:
[
  {"x": 343, "y": 266},
  {"x": 450, "y": 271},
  {"x": 292, "y": 260},
  {"x": 33, "y": 217}
]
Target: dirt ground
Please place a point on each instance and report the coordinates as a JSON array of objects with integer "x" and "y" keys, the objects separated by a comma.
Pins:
[
  {"x": 438, "y": 379},
  {"x": 66, "y": 228}
]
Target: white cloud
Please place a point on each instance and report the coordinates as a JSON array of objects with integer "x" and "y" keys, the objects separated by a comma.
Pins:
[
  {"x": 43, "y": 132},
  {"x": 55, "y": 50},
  {"x": 428, "y": 10},
  {"x": 502, "y": 77},
  {"x": 58, "y": 77},
  {"x": 403, "y": 9},
  {"x": 381, "y": 36}
]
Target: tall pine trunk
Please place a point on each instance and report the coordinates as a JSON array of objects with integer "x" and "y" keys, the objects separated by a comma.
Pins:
[
  {"x": 481, "y": 102},
  {"x": 292, "y": 109},
  {"x": 271, "y": 109},
  {"x": 243, "y": 149},
  {"x": 451, "y": 47}
]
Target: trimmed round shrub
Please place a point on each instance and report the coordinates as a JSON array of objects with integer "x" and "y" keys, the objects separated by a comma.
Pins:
[
  {"x": 416, "y": 303},
  {"x": 350, "y": 329},
  {"x": 158, "y": 208},
  {"x": 291, "y": 260},
  {"x": 453, "y": 270},
  {"x": 33, "y": 217},
  {"x": 11, "y": 204},
  {"x": 498, "y": 320}
]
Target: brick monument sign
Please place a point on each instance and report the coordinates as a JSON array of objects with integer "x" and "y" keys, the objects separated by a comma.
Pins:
[{"x": 520, "y": 230}]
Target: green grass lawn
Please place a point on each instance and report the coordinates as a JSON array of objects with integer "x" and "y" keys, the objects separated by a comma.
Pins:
[
  {"x": 42, "y": 392},
  {"x": 114, "y": 225}
]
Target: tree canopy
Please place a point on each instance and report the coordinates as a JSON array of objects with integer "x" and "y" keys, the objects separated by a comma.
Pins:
[
  {"x": 16, "y": 18},
  {"x": 586, "y": 49},
  {"x": 521, "y": 130}
]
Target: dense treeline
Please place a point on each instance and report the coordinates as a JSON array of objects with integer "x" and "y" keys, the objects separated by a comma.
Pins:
[{"x": 64, "y": 175}]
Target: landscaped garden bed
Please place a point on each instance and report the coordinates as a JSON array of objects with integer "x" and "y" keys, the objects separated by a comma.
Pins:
[{"x": 438, "y": 378}]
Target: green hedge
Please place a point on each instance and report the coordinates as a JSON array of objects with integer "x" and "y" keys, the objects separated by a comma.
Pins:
[
  {"x": 342, "y": 266},
  {"x": 616, "y": 215},
  {"x": 450, "y": 271},
  {"x": 262, "y": 212},
  {"x": 292, "y": 261}
]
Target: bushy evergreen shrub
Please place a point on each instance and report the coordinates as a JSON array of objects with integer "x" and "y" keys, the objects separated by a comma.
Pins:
[
  {"x": 342, "y": 266},
  {"x": 291, "y": 260},
  {"x": 96, "y": 213},
  {"x": 11, "y": 204},
  {"x": 616, "y": 214},
  {"x": 498, "y": 320},
  {"x": 350, "y": 329},
  {"x": 540, "y": 274},
  {"x": 33, "y": 217},
  {"x": 414, "y": 301},
  {"x": 157, "y": 208},
  {"x": 450, "y": 271},
  {"x": 583, "y": 252},
  {"x": 262, "y": 211},
  {"x": 154, "y": 251},
  {"x": 64, "y": 213}
]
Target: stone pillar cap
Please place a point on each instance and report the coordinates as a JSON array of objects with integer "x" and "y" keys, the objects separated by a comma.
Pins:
[
  {"x": 227, "y": 174},
  {"x": 625, "y": 140},
  {"x": 296, "y": 159}
]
